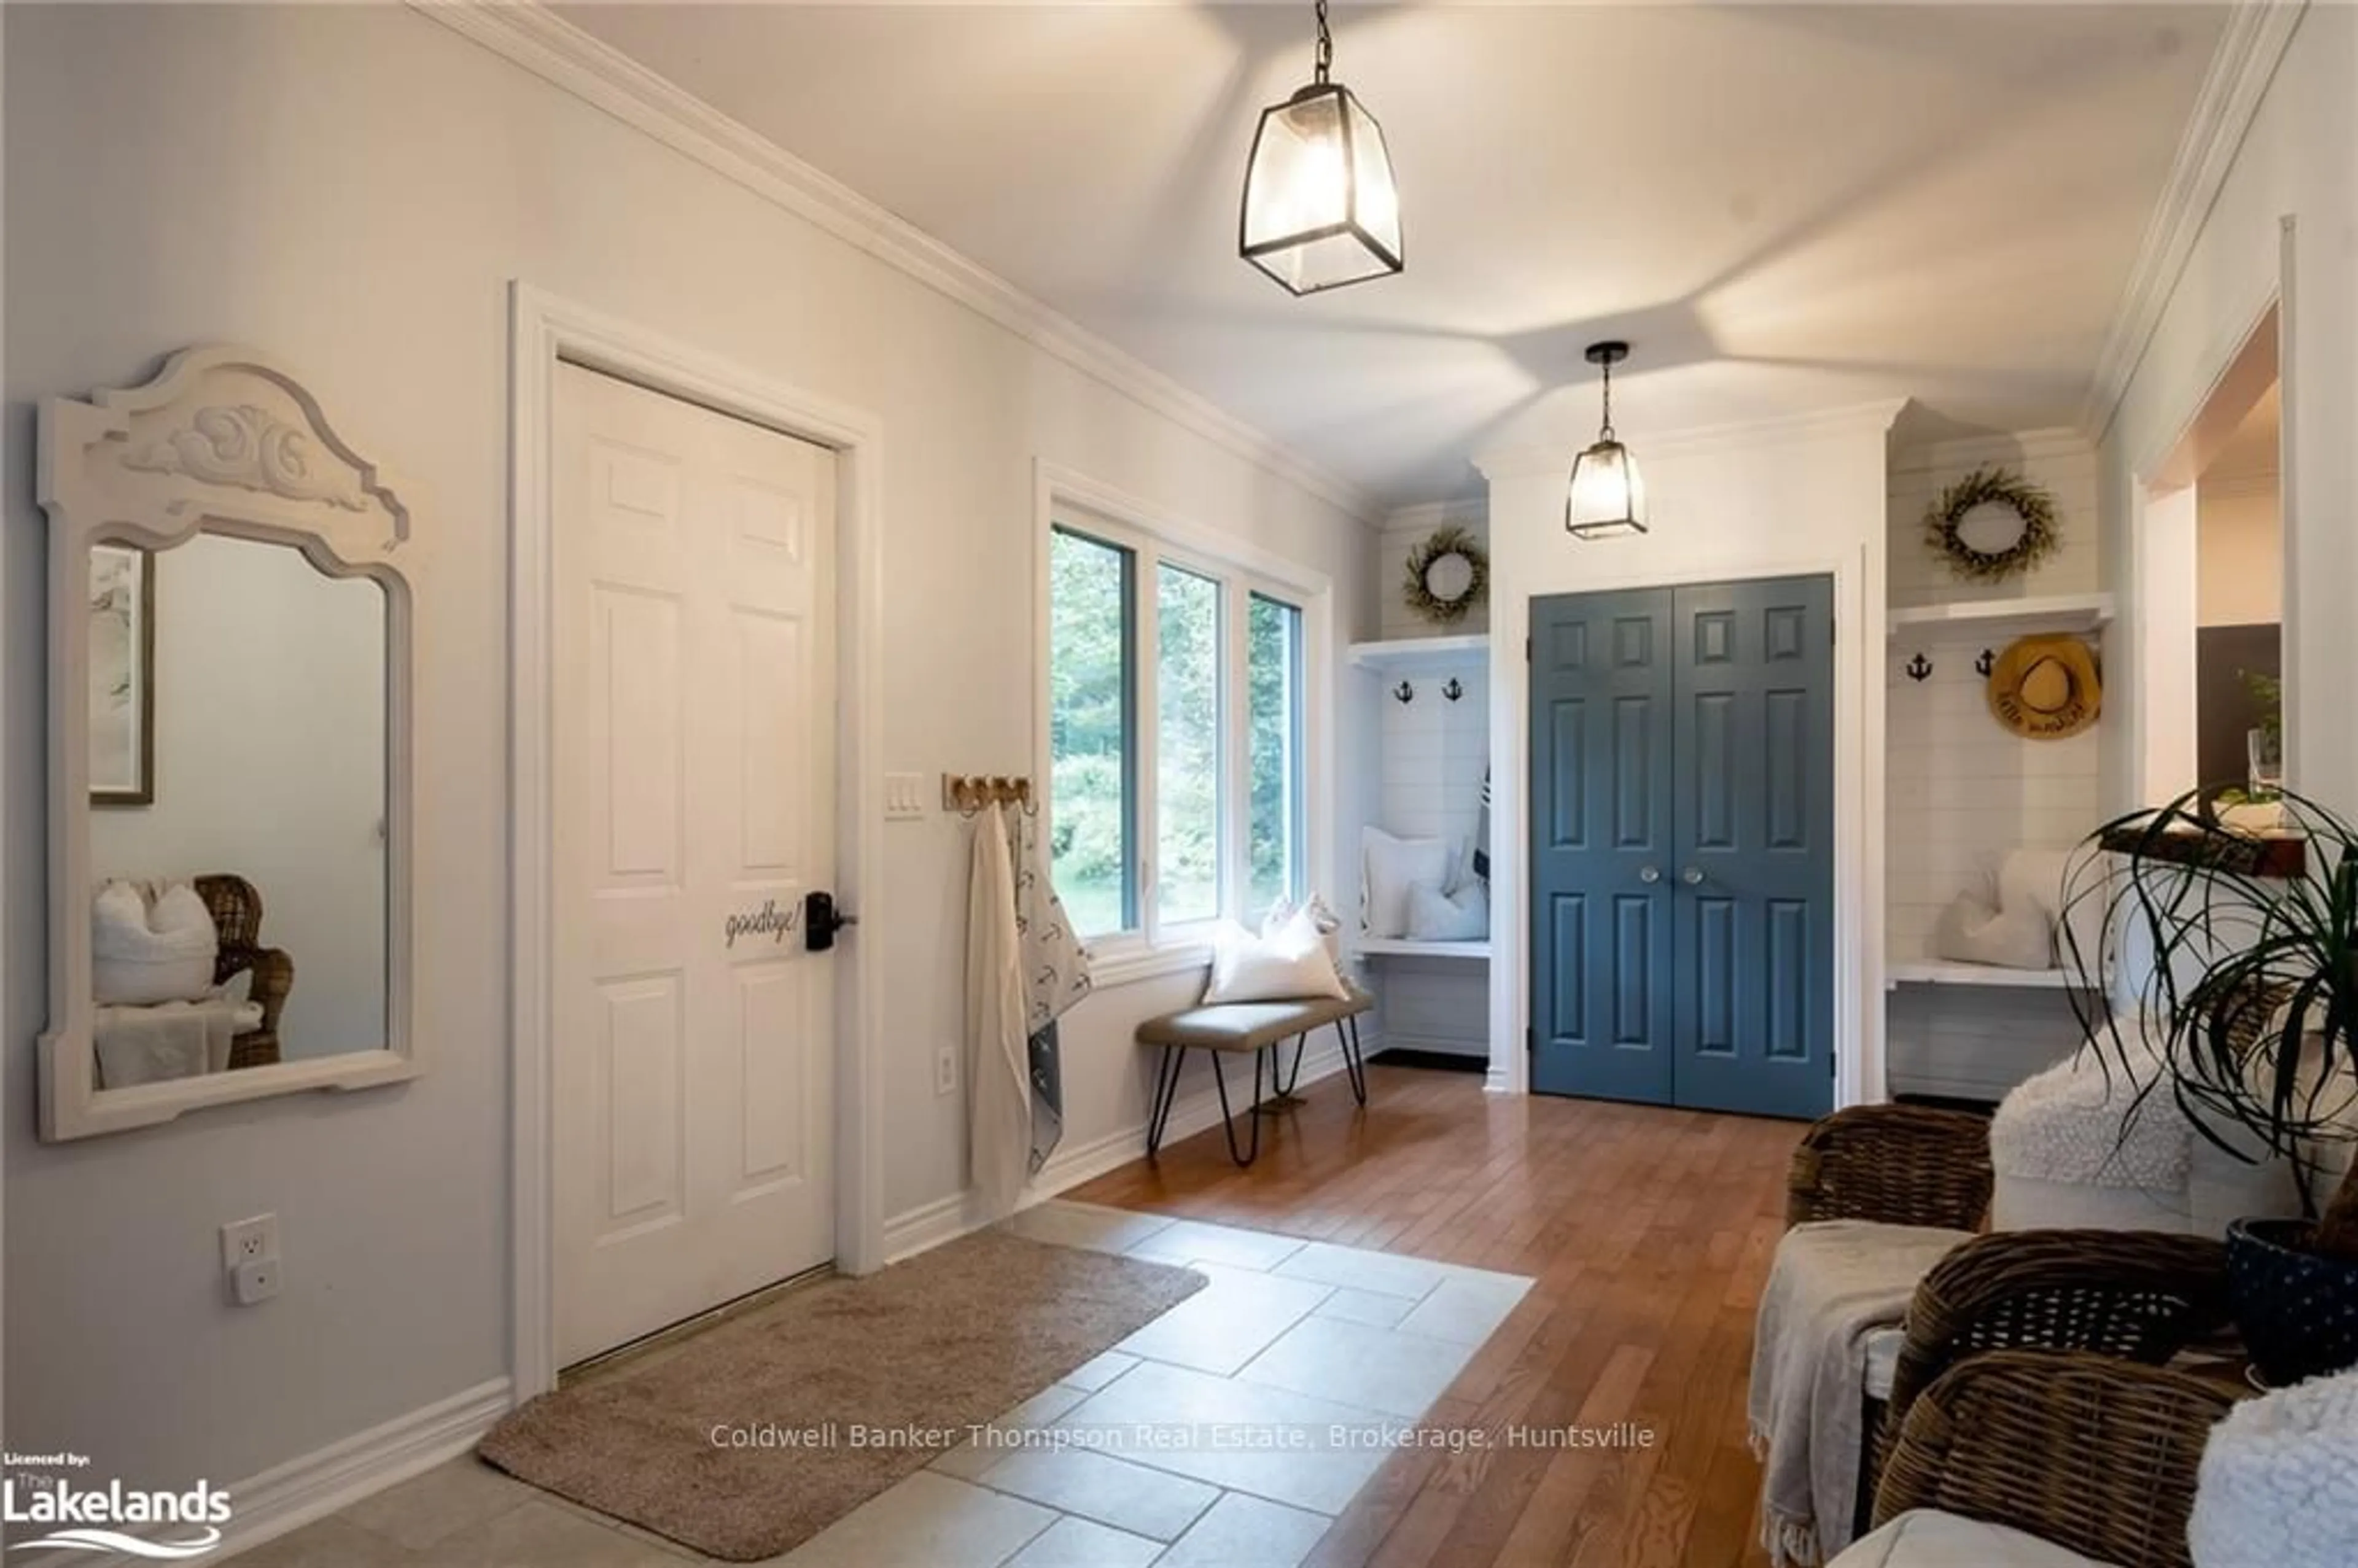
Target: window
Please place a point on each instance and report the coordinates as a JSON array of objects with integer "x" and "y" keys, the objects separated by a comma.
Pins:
[
  {"x": 1187, "y": 746},
  {"x": 1177, "y": 783},
  {"x": 1092, "y": 751},
  {"x": 1274, "y": 858}
]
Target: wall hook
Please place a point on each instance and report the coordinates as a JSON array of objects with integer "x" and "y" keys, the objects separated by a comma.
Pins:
[
  {"x": 1405, "y": 692},
  {"x": 1919, "y": 667},
  {"x": 1987, "y": 663},
  {"x": 1453, "y": 690}
]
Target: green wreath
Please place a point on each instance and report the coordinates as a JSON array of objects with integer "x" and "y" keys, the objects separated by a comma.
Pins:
[
  {"x": 1417, "y": 588},
  {"x": 1985, "y": 487}
]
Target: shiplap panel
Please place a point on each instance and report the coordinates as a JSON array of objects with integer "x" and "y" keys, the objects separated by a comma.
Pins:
[
  {"x": 1961, "y": 790},
  {"x": 1432, "y": 753}
]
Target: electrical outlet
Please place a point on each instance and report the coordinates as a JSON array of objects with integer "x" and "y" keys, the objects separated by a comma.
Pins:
[
  {"x": 253, "y": 1241},
  {"x": 945, "y": 1070},
  {"x": 255, "y": 1280}
]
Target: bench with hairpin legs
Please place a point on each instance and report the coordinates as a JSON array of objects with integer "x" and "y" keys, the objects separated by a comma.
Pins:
[{"x": 1259, "y": 1027}]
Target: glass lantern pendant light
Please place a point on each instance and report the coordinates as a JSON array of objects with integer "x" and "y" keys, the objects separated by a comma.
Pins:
[
  {"x": 1320, "y": 208},
  {"x": 1605, "y": 496}
]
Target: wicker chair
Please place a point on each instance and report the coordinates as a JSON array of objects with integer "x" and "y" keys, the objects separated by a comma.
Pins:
[
  {"x": 1896, "y": 1164},
  {"x": 236, "y": 906},
  {"x": 2096, "y": 1456},
  {"x": 2132, "y": 1295},
  {"x": 2137, "y": 1296}
]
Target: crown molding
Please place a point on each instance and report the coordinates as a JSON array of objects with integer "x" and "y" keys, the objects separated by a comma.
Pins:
[
  {"x": 1473, "y": 512},
  {"x": 1852, "y": 420},
  {"x": 528, "y": 34},
  {"x": 2048, "y": 443},
  {"x": 2249, "y": 51}
]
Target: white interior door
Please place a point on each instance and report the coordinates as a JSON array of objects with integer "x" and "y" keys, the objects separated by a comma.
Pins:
[{"x": 694, "y": 729}]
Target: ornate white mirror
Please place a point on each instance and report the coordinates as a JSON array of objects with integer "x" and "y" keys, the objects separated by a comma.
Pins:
[{"x": 229, "y": 751}]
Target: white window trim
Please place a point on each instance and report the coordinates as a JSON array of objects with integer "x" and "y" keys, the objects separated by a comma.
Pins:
[{"x": 1063, "y": 496}]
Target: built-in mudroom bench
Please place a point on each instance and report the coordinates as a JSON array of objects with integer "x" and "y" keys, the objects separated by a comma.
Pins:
[
  {"x": 1990, "y": 783},
  {"x": 1433, "y": 750}
]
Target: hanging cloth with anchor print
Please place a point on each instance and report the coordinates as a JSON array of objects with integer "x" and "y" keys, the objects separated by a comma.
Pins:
[{"x": 1055, "y": 976}]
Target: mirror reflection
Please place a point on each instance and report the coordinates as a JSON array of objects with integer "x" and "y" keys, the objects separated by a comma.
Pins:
[{"x": 237, "y": 805}]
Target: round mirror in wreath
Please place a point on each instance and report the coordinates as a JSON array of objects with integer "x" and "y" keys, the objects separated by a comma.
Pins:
[
  {"x": 1991, "y": 525},
  {"x": 1447, "y": 576}
]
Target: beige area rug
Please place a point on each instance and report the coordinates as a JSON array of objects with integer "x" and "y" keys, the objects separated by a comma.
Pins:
[{"x": 947, "y": 1340}]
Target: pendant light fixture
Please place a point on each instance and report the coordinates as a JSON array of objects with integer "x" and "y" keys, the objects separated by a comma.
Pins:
[
  {"x": 1320, "y": 208},
  {"x": 1605, "y": 496}
]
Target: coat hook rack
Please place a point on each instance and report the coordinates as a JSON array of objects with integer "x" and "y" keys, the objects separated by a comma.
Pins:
[
  {"x": 1987, "y": 663},
  {"x": 1919, "y": 667},
  {"x": 1453, "y": 690},
  {"x": 968, "y": 793},
  {"x": 1405, "y": 692}
]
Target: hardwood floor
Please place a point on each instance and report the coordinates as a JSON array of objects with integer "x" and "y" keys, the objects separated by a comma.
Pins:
[{"x": 1649, "y": 1234}]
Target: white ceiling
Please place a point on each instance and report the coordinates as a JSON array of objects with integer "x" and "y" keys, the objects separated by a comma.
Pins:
[{"x": 1783, "y": 208}]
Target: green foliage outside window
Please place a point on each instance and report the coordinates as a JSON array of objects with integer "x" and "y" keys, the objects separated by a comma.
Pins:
[{"x": 1093, "y": 690}]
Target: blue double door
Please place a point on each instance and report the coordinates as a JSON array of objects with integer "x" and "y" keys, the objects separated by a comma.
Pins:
[{"x": 1682, "y": 811}]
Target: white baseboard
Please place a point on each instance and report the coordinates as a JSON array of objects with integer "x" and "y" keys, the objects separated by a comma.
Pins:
[
  {"x": 946, "y": 1219},
  {"x": 288, "y": 1497},
  {"x": 1474, "y": 1048}
]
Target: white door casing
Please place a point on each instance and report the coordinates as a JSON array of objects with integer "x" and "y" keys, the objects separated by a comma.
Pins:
[{"x": 693, "y": 738}]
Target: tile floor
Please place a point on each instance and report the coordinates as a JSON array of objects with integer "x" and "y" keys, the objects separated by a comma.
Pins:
[{"x": 1227, "y": 1434}]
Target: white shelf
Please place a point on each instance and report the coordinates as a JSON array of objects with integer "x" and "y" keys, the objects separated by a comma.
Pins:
[
  {"x": 2055, "y": 612},
  {"x": 1393, "y": 946},
  {"x": 1933, "y": 972},
  {"x": 1423, "y": 656}
]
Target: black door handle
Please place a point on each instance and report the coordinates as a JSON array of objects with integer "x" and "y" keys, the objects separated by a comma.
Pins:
[{"x": 821, "y": 921}]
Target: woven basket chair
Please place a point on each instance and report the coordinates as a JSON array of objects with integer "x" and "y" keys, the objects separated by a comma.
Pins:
[
  {"x": 236, "y": 906},
  {"x": 2098, "y": 1457},
  {"x": 1898, "y": 1164},
  {"x": 2129, "y": 1295}
]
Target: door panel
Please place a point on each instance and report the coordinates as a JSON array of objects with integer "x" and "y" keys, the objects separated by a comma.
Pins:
[
  {"x": 1601, "y": 732},
  {"x": 694, "y": 747},
  {"x": 1688, "y": 732},
  {"x": 1755, "y": 834}
]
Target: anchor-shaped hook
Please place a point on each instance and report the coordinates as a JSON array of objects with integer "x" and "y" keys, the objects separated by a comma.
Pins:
[
  {"x": 1405, "y": 692},
  {"x": 1453, "y": 690},
  {"x": 1987, "y": 663},
  {"x": 1919, "y": 667}
]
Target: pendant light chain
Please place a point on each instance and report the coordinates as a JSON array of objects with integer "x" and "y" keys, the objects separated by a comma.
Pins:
[
  {"x": 1606, "y": 434},
  {"x": 1326, "y": 58}
]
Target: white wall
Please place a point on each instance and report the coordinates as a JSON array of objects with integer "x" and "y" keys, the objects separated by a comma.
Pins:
[
  {"x": 1804, "y": 495},
  {"x": 2063, "y": 462},
  {"x": 1963, "y": 789},
  {"x": 2295, "y": 162},
  {"x": 352, "y": 189},
  {"x": 2239, "y": 545},
  {"x": 1406, "y": 529},
  {"x": 270, "y": 764}
]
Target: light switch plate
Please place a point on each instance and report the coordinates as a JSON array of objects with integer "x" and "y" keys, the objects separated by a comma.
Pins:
[{"x": 904, "y": 796}]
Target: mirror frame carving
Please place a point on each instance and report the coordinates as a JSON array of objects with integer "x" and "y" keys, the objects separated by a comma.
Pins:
[{"x": 223, "y": 440}]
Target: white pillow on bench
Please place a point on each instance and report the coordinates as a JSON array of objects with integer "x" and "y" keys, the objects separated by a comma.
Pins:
[
  {"x": 1389, "y": 868},
  {"x": 1286, "y": 962},
  {"x": 1436, "y": 916}
]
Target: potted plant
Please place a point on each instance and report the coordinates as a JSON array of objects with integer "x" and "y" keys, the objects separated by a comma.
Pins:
[{"x": 2247, "y": 1016}]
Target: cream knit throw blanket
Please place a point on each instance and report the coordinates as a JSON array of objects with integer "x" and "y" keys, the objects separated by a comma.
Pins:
[
  {"x": 1832, "y": 1286},
  {"x": 2073, "y": 1123},
  {"x": 2279, "y": 1487}
]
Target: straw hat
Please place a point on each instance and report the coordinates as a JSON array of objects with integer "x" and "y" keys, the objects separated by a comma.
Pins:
[{"x": 2044, "y": 688}]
